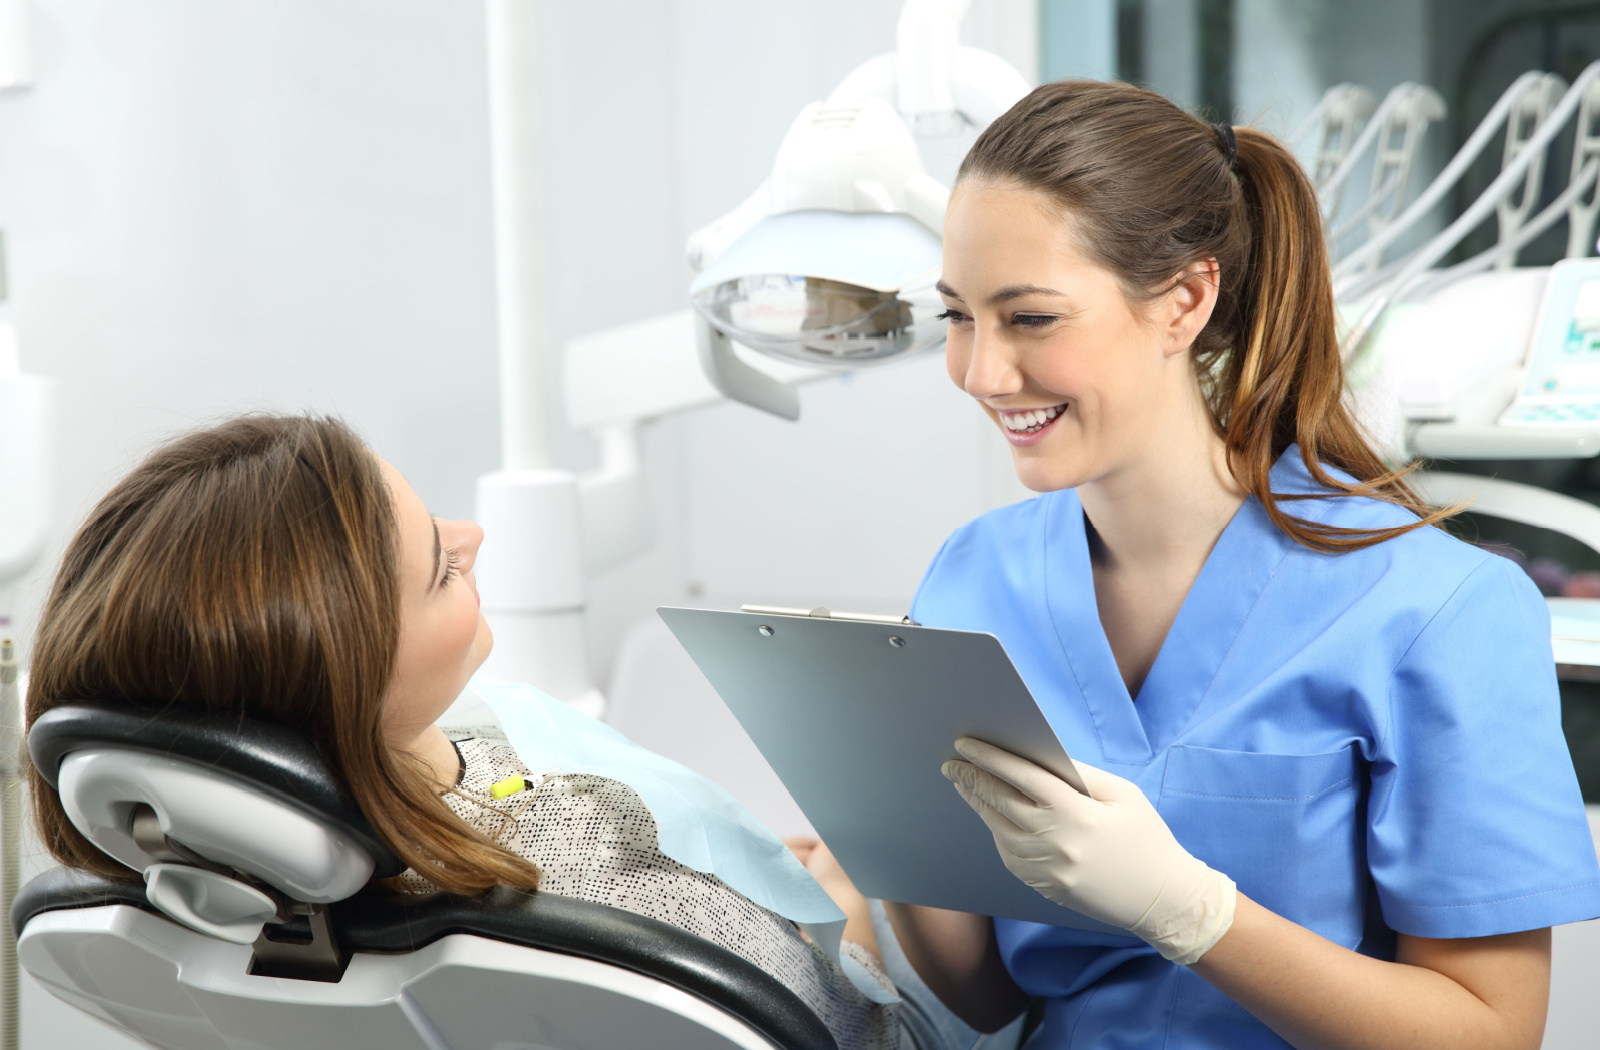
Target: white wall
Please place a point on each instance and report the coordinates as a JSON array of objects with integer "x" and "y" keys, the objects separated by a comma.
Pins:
[{"x": 262, "y": 204}]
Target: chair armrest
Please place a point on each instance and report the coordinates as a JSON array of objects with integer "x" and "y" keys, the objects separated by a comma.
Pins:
[{"x": 381, "y": 922}]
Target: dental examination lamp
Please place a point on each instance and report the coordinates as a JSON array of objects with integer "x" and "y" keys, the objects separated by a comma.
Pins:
[{"x": 828, "y": 266}]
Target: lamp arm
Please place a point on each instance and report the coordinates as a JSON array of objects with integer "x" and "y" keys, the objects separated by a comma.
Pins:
[
  {"x": 614, "y": 502},
  {"x": 927, "y": 38}
]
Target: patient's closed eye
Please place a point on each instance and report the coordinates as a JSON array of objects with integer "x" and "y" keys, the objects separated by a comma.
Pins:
[{"x": 452, "y": 565}]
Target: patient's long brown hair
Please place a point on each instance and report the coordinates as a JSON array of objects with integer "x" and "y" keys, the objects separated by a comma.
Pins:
[
  {"x": 1150, "y": 191},
  {"x": 253, "y": 568}
]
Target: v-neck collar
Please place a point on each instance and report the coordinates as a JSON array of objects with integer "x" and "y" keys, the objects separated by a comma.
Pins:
[{"x": 1245, "y": 557}]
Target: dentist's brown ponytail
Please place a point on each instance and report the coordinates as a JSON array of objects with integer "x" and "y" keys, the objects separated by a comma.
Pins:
[{"x": 1151, "y": 191}]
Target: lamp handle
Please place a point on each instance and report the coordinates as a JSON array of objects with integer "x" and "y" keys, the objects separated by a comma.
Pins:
[{"x": 738, "y": 381}]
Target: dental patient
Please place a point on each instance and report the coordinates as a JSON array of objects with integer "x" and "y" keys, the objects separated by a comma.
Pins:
[{"x": 273, "y": 567}]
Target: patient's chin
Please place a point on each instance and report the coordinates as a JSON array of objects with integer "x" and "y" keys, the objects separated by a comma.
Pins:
[{"x": 482, "y": 645}]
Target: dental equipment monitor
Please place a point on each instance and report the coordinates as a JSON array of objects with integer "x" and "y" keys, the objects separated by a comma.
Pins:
[
  {"x": 856, "y": 716},
  {"x": 1561, "y": 383}
]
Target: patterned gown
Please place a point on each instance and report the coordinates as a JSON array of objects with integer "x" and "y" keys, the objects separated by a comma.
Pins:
[{"x": 594, "y": 839}]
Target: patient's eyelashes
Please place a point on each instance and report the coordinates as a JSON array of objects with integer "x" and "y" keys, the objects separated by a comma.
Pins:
[{"x": 452, "y": 565}]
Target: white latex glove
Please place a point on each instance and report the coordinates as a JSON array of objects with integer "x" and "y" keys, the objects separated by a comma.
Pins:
[{"x": 1110, "y": 857}]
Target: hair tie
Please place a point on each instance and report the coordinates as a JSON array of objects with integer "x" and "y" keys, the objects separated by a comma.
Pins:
[{"x": 1230, "y": 144}]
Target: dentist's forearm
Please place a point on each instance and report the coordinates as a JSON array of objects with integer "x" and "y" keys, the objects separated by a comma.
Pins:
[
  {"x": 1482, "y": 993},
  {"x": 958, "y": 958}
]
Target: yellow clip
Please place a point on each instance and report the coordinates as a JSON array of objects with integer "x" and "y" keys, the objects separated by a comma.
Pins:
[{"x": 509, "y": 786}]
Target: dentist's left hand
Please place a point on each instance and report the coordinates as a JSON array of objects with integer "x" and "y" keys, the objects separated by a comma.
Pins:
[{"x": 1110, "y": 857}]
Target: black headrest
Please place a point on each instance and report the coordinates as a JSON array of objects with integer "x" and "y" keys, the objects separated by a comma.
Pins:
[{"x": 270, "y": 757}]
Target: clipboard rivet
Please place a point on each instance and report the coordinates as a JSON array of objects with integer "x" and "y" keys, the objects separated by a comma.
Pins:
[
  {"x": 765, "y": 631},
  {"x": 896, "y": 641}
]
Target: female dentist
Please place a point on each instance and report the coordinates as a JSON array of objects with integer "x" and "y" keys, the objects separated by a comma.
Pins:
[{"x": 1332, "y": 805}]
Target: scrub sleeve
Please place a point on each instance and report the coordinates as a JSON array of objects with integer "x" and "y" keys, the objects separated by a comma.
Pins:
[{"x": 1470, "y": 820}]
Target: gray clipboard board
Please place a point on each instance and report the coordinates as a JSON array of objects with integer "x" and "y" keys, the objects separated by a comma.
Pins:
[{"x": 856, "y": 719}]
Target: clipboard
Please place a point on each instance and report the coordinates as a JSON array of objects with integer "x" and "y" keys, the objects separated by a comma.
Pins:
[{"x": 856, "y": 713}]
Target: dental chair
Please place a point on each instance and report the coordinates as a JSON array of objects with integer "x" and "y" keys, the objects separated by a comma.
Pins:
[{"x": 254, "y": 925}]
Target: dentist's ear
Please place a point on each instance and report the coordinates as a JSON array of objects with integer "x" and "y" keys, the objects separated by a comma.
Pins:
[{"x": 1187, "y": 306}]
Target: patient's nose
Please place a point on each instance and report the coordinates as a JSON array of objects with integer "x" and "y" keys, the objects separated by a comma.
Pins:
[{"x": 464, "y": 537}]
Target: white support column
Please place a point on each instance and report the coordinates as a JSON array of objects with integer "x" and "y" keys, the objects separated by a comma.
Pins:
[
  {"x": 520, "y": 281},
  {"x": 530, "y": 568}
]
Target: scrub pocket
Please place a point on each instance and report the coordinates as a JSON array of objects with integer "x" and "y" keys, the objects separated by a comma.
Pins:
[{"x": 1286, "y": 828}]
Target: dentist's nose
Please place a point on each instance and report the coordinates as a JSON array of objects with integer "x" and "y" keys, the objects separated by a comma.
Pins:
[{"x": 991, "y": 366}]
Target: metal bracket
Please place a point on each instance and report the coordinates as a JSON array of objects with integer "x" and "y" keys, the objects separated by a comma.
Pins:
[
  {"x": 822, "y": 612},
  {"x": 1585, "y": 147},
  {"x": 297, "y": 943},
  {"x": 145, "y": 827},
  {"x": 1528, "y": 114},
  {"x": 302, "y": 949},
  {"x": 1338, "y": 119}
]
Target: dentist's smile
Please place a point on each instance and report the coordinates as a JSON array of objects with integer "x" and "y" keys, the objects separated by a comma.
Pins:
[{"x": 1028, "y": 426}]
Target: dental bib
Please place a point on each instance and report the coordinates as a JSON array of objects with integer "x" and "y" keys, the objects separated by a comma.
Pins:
[{"x": 698, "y": 824}]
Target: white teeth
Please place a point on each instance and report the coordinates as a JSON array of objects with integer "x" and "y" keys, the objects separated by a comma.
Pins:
[{"x": 1028, "y": 420}]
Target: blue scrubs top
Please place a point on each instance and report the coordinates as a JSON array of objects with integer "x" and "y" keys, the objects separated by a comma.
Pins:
[{"x": 1366, "y": 742}]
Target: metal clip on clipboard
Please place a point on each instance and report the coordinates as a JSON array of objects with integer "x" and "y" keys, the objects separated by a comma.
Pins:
[{"x": 822, "y": 612}]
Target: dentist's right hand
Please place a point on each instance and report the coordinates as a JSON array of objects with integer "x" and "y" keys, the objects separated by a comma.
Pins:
[{"x": 1110, "y": 857}]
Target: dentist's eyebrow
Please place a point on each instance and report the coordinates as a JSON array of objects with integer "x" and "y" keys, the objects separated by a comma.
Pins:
[{"x": 1017, "y": 291}]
